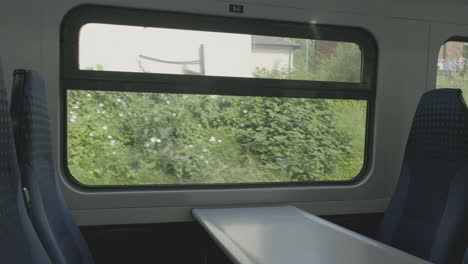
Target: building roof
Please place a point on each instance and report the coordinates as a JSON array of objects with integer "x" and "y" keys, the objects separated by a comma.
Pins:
[{"x": 273, "y": 41}]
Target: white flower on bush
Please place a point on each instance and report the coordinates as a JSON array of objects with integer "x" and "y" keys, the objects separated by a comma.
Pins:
[
  {"x": 88, "y": 94},
  {"x": 101, "y": 105},
  {"x": 245, "y": 111},
  {"x": 109, "y": 137},
  {"x": 157, "y": 140},
  {"x": 190, "y": 146},
  {"x": 119, "y": 100},
  {"x": 73, "y": 116},
  {"x": 72, "y": 120},
  {"x": 91, "y": 134},
  {"x": 121, "y": 115},
  {"x": 76, "y": 106},
  {"x": 113, "y": 153},
  {"x": 219, "y": 141},
  {"x": 112, "y": 142},
  {"x": 168, "y": 102},
  {"x": 212, "y": 139},
  {"x": 205, "y": 150},
  {"x": 105, "y": 127}
]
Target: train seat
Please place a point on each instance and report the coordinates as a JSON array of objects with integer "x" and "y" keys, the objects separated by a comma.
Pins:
[
  {"x": 50, "y": 215},
  {"x": 427, "y": 215},
  {"x": 18, "y": 241}
]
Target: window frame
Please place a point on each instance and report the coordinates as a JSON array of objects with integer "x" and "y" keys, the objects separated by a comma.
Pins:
[{"x": 72, "y": 78}]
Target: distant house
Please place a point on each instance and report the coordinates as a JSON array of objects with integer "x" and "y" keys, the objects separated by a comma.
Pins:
[{"x": 272, "y": 53}]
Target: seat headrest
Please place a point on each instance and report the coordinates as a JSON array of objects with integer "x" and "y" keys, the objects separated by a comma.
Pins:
[
  {"x": 440, "y": 125},
  {"x": 5, "y": 148},
  {"x": 8, "y": 179},
  {"x": 2, "y": 80}
]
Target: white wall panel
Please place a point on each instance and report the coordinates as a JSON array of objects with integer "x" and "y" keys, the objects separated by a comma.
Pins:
[{"x": 30, "y": 38}]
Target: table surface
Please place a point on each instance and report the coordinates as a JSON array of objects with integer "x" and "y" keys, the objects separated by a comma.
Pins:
[{"x": 288, "y": 235}]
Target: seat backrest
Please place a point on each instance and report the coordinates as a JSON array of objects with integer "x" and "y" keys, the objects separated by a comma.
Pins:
[
  {"x": 18, "y": 241},
  {"x": 50, "y": 215},
  {"x": 428, "y": 214}
]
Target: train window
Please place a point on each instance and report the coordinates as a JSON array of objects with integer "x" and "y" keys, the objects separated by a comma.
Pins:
[
  {"x": 452, "y": 66},
  {"x": 172, "y": 99}
]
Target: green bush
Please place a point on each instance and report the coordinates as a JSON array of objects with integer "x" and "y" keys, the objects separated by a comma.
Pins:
[{"x": 457, "y": 79}]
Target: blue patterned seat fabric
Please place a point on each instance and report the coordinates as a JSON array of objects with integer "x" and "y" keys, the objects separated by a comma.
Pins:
[
  {"x": 428, "y": 214},
  {"x": 50, "y": 215},
  {"x": 18, "y": 241}
]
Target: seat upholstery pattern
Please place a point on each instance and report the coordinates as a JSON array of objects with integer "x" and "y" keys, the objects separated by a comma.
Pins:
[
  {"x": 18, "y": 241},
  {"x": 50, "y": 214},
  {"x": 428, "y": 214}
]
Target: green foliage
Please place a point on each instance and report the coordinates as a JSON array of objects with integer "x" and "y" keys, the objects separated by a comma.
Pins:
[
  {"x": 127, "y": 138},
  {"x": 344, "y": 65},
  {"x": 341, "y": 65},
  {"x": 453, "y": 79}
]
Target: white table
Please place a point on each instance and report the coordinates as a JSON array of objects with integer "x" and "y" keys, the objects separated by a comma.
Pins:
[{"x": 288, "y": 235}]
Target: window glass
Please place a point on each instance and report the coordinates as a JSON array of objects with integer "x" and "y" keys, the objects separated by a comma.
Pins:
[
  {"x": 128, "y": 138},
  {"x": 192, "y": 100},
  {"x": 452, "y": 67},
  {"x": 176, "y": 51}
]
